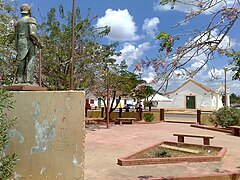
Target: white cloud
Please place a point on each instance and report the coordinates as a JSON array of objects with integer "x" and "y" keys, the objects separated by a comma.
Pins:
[
  {"x": 131, "y": 53},
  {"x": 148, "y": 77},
  {"x": 185, "y": 8},
  {"x": 123, "y": 27},
  {"x": 216, "y": 73},
  {"x": 150, "y": 26}
]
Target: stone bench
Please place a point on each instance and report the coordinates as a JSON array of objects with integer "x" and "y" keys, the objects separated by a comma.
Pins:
[
  {"x": 125, "y": 120},
  {"x": 206, "y": 138},
  {"x": 93, "y": 120},
  {"x": 235, "y": 130}
]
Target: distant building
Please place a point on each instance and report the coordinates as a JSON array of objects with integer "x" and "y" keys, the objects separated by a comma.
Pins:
[
  {"x": 92, "y": 102},
  {"x": 193, "y": 95}
]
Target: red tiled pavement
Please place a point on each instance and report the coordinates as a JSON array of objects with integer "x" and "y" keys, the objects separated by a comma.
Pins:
[{"x": 104, "y": 146}]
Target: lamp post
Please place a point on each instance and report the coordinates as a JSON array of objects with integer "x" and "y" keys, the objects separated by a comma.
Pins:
[
  {"x": 225, "y": 85},
  {"x": 108, "y": 102},
  {"x": 72, "y": 51}
]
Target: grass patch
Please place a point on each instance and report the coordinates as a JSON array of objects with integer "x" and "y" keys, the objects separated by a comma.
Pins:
[{"x": 163, "y": 152}]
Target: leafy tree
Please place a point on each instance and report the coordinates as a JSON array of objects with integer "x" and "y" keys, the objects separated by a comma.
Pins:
[
  {"x": 117, "y": 79},
  {"x": 236, "y": 64},
  {"x": 142, "y": 90},
  {"x": 7, "y": 52},
  {"x": 226, "y": 117},
  {"x": 206, "y": 40},
  {"x": 89, "y": 53},
  {"x": 6, "y": 161},
  {"x": 234, "y": 99}
]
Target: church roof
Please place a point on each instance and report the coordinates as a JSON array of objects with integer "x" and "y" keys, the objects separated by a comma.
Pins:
[{"x": 197, "y": 83}]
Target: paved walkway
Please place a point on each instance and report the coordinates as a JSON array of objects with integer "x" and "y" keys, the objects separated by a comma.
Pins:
[{"x": 104, "y": 146}]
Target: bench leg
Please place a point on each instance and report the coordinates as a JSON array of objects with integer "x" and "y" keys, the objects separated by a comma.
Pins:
[
  {"x": 235, "y": 131},
  {"x": 206, "y": 141},
  {"x": 120, "y": 122},
  {"x": 181, "y": 139}
]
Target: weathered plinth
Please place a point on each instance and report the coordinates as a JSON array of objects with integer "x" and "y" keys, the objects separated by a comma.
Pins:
[
  {"x": 25, "y": 87},
  {"x": 49, "y": 135}
]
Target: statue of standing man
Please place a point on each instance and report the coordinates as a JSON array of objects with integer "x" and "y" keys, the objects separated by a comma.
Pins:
[{"x": 26, "y": 39}]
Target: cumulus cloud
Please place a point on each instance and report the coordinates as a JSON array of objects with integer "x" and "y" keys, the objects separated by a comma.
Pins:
[
  {"x": 148, "y": 74},
  {"x": 150, "y": 26},
  {"x": 123, "y": 27},
  {"x": 131, "y": 53},
  {"x": 185, "y": 8}
]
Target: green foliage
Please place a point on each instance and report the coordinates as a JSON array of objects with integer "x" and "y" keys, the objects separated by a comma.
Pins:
[
  {"x": 236, "y": 63},
  {"x": 142, "y": 91},
  {"x": 234, "y": 99},
  {"x": 7, "y": 45},
  {"x": 226, "y": 117},
  {"x": 167, "y": 42},
  {"x": 90, "y": 57},
  {"x": 164, "y": 2},
  {"x": 148, "y": 117},
  {"x": 6, "y": 161},
  {"x": 162, "y": 153}
]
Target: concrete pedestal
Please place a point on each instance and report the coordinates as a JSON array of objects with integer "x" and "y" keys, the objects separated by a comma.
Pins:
[
  {"x": 49, "y": 134},
  {"x": 25, "y": 87}
]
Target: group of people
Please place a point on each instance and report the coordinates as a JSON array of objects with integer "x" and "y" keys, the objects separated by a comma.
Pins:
[{"x": 137, "y": 106}]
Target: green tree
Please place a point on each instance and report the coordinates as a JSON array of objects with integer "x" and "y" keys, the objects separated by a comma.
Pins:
[
  {"x": 7, "y": 162},
  {"x": 226, "y": 117},
  {"x": 235, "y": 62},
  {"x": 117, "y": 79},
  {"x": 95, "y": 63},
  {"x": 7, "y": 49},
  {"x": 234, "y": 99},
  {"x": 142, "y": 90},
  {"x": 89, "y": 53}
]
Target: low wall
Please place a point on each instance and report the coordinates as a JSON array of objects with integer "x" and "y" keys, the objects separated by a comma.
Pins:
[
  {"x": 49, "y": 135},
  {"x": 205, "y": 116}
]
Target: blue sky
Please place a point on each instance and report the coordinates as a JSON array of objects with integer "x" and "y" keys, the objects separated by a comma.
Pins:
[{"x": 134, "y": 23}]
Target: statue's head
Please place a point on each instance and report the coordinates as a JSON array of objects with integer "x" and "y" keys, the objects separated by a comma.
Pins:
[{"x": 25, "y": 9}]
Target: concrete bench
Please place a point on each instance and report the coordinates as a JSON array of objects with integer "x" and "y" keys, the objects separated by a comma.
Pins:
[
  {"x": 235, "y": 130},
  {"x": 93, "y": 120},
  {"x": 206, "y": 138},
  {"x": 125, "y": 120}
]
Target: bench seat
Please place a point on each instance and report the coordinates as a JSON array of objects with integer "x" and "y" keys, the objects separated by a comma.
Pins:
[
  {"x": 126, "y": 120},
  {"x": 235, "y": 130},
  {"x": 206, "y": 138},
  {"x": 93, "y": 120}
]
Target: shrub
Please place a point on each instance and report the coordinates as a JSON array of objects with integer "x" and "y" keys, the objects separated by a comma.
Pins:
[
  {"x": 226, "y": 117},
  {"x": 162, "y": 154},
  {"x": 148, "y": 117},
  {"x": 6, "y": 161}
]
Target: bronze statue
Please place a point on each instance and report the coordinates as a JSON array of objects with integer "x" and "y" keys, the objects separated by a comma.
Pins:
[{"x": 26, "y": 39}]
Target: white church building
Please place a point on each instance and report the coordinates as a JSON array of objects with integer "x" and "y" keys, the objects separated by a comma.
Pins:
[{"x": 193, "y": 95}]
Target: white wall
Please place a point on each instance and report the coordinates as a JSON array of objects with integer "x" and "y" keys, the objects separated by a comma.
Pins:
[{"x": 205, "y": 100}]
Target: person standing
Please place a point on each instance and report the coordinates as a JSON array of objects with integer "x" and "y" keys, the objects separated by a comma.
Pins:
[{"x": 26, "y": 39}]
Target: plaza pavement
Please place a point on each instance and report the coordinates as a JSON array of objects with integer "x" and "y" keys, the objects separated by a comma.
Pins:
[{"x": 104, "y": 146}]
